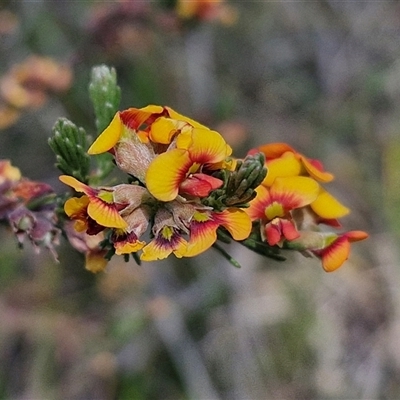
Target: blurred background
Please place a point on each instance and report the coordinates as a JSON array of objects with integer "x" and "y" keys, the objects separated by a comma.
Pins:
[{"x": 323, "y": 77}]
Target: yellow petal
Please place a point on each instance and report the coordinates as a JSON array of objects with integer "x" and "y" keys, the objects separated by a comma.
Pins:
[
  {"x": 158, "y": 250},
  {"x": 163, "y": 130},
  {"x": 166, "y": 172},
  {"x": 205, "y": 146},
  {"x": 8, "y": 172},
  {"x": 315, "y": 172},
  {"x": 236, "y": 221},
  {"x": 152, "y": 109},
  {"x": 105, "y": 214},
  {"x": 202, "y": 236},
  {"x": 154, "y": 251},
  {"x": 80, "y": 225},
  {"x": 286, "y": 165},
  {"x": 128, "y": 247},
  {"x": 295, "y": 191},
  {"x": 109, "y": 137},
  {"x": 95, "y": 262},
  {"x": 327, "y": 207},
  {"x": 75, "y": 205},
  {"x": 75, "y": 184},
  {"x": 174, "y": 115}
]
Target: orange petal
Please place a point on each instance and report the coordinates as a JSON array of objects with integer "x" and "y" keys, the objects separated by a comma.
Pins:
[
  {"x": 205, "y": 146},
  {"x": 133, "y": 118},
  {"x": 256, "y": 210},
  {"x": 105, "y": 214},
  {"x": 355, "y": 236},
  {"x": 166, "y": 172},
  {"x": 294, "y": 192},
  {"x": 316, "y": 172},
  {"x": 203, "y": 234},
  {"x": 335, "y": 254},
  {"x": 286, "y": 165},
  {"x": 109, "y": 137},
  {"x": 235, "y": 221},
  {"x": 275, "y": 150},
  {"x": 327, "y": 207}
]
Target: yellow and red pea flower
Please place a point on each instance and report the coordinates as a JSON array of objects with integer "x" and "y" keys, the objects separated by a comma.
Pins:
[
  {"x": 337, "y": 250},
  {"x": 168, "y": 236},
  {"x": 204, "y": 225},
  {"x": 100, "y": 204},
  {"x": 283, "y": 162},
  {"x": 273, "y": 206},
  {"x": 333, "y": 249},
  {"x": 153, "y": 139},
  {"x": 183, "y": 166}
]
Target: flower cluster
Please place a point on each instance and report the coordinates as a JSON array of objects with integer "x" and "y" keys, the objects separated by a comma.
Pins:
[
  {"x": 180, "y": 173},
  {"x": 185, "y": 191},
  {"x": 28, "y": 207},
  {"x": 291, "y": 206}
]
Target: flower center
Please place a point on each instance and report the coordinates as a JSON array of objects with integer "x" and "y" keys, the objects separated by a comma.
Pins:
[{"x": 274, "y": 210}]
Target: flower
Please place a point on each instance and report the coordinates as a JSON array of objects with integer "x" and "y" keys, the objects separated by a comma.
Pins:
[
  {"x": 196, "y": 150},
  {"x": 337, "y": 249},
  {"x": 29, "y": 208},
  {"x": 125, "y": 208},
  {"x": 89, "y": 245},
  {"x": 127, "y": 240},
  {"x": 283, "y": 160},
  {"x": 204, "y": 225},
  {"x": 333, "y": 249},
  {"x": 168, "y": 237},
  {"x": 98, "y": 204},
  {"x": 273, "y": 206},
  {"x": 152, "y": 139}
]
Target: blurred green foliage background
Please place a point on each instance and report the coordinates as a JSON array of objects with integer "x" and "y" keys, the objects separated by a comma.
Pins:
[{"x": 323, "y": 77}]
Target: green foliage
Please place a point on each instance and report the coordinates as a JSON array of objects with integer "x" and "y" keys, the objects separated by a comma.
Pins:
[
  {"x": 105, "y": 95},
  {"x": 239, "y": 185},
  {"x": 69, "y": 143}
]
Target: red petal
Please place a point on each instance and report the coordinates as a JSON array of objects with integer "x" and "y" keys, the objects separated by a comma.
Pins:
[{"x": 200, "y": 185}]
